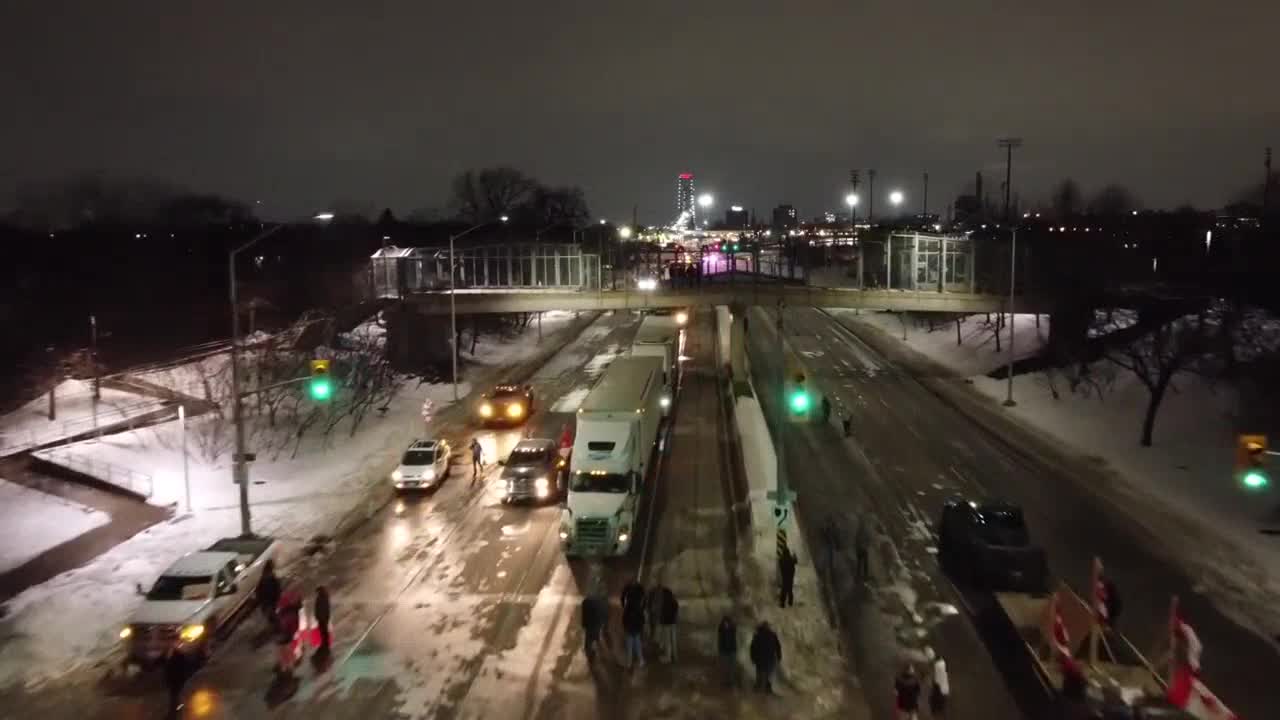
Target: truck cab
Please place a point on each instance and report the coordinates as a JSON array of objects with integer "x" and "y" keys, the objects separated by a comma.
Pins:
[
  {"x": 617, "y": 429},
  {"x": 194, "y": 599}
]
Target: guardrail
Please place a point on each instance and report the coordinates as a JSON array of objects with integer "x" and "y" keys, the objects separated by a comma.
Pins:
[
  {"x": 122, "y": 477},
  {"x": 12, "y": 443}
]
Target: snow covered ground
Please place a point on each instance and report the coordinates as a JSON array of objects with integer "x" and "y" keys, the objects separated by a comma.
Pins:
[
  {"x": 30, "y": 424},
  {"x": 32, "y": 522},
  {"x": 292, "y": 497},
  {"x": 976, "y": 354},
  {"x": 1186, "y": 471}
]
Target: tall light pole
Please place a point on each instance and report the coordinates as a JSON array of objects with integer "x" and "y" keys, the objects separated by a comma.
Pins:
[
  {"x": 871, "y": 196},
  {"x": 1008, "y": 143},
  {"x": 239, "y": 465},
  {"x": 1013, "y": 268},
  {"x": 453, "y": 305},
  {"x": 924, "y": 201}
]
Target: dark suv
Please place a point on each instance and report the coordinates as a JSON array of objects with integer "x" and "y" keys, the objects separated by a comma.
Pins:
[
  {"x": 532, "y": 472},
  {"x": 988, "y": 545}
]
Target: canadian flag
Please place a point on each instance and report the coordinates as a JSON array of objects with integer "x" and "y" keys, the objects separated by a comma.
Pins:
[
  {"x": 1061, "y": 638},
  {"x": 566, "y": 439},
  {"x": 1187, "y": 692},
  {"x": 1185, "y": 634}
]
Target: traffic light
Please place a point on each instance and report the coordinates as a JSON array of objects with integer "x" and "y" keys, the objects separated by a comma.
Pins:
[
  {"x": 1251, "y": 461},
  {"x": 798, "y": 398},
  {"x": 733, "y": 247},
  {"x": 321, "y": 386}
]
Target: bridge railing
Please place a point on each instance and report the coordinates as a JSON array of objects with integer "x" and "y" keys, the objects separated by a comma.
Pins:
[{"x": 394, "y": 272}]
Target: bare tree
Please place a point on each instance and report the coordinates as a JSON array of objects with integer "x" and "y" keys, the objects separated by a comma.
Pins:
[
  {"x": 1067, "y": 201},
  {"x": 1113, "y": 201},
  {"x": 1170, "y": 349},
  {"x": 483, "y": 195}
]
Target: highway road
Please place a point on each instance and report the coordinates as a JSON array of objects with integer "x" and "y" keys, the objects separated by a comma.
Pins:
[
  {"x": 910, "y": 451},
  {"x": 450, "y": 604}
]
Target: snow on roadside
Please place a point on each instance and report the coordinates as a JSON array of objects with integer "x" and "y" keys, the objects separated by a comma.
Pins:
[
  {"x": 492, "y": 349},
  {"x": 30, "y": 424},
  {"x": 292, "y": 498},
  {"x": 32, "y": 522},
  {"x": 976, "y": 355}
]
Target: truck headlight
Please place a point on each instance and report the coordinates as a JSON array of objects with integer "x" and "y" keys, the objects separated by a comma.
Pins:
[
  {"x": 397, "y": 476},
  {"x": 126, "y": 633},
  {"x": 665, "y": 401},
  {"x": 624, "y": 533},
  {"x": 564, "y": 534},
  {"x": 515, "y": 410},
  {"x": 191, "y": 633},
  {"x": 542, "y": 487},
  {"x": 486, "y": 410}
]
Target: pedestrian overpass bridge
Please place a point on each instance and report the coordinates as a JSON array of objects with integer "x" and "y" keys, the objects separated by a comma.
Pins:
[{"x": 516, "y": 300}]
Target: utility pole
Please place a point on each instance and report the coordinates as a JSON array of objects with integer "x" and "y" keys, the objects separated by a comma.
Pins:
[
  {"x": 853, "y": 209},
  {"x": 1266, "y": 186},
  {"x": 1008, "y": 143},
  {"x": 1013, "y": 269},
  {"x": 871, "y": 196},
  {"x": 93, "y": 359}
]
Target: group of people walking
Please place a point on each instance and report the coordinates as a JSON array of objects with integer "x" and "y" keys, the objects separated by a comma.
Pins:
[
  {"x": 289, "y": 621},
  {"x": 658, "y": 611}
]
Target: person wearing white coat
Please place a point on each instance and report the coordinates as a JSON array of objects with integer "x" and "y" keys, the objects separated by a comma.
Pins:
[{"x": 940, "y": 689}]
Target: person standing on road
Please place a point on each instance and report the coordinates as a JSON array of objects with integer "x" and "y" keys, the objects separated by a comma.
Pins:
[
  {"x": 653, "y": 604},
  {"x": 861, "y": 545},
  {"x": 766, "y": 654},
  {"x": 633, "y": 619},
  {"x": 727, "y": 645},
  {"x": 177, "y": 670},
  {"x": 826, "y": 410},
  {"x": 268, "y": 593},
  {"x": 847, "y": 421},
  {"x": 593, "y": 620},
  {"x": 833, "y": 539},
  {"x": 939, "y": 686},
  {"x": 668, "y": 613},
  {"x": 477, "y": 460},
  {"x": 322, "y": 619},
  {"x": 787, "y": 576},
  {"x": 906, "y": 691}
]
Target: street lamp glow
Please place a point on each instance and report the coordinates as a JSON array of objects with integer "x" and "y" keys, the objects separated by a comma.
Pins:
[
  {"x": 896, "y": 197},
  {"x": 323, "y": 217},
  {"x": 624, "y": 232},
  {"x": 851, "y": 200},
  {"x": 705, "y": 200},
  {"x": 503, "y": 218},
  {"x": 603, "y": 221}
]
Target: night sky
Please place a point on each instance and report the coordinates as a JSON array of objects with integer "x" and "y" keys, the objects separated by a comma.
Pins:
[{"x": 300, "y": 104}]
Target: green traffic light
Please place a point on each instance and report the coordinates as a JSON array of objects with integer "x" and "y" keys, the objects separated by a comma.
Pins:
[
  {"x": 321, "y": 389},
  {"x": 1255, "y": 480},
  {"x": 799, "y": 402}
]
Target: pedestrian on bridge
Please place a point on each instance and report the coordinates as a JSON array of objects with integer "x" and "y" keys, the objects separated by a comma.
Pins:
[
  {"x": 727, "y": 644},
  {"x": 766, "y": 654},
  {"x": 668, "y": 612},
  {"x": 787, "y": 575},
  {"x": 477, "y": 460},
  {"x": 633, "y": 620}
]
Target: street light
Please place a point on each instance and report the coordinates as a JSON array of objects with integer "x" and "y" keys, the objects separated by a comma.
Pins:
[
  {"x": 624, "y": 232},
  {"x": 239, "y": 467},
  {"x": 706, "y": 200},
  {"x": 851, "y": 200},
  {"x": 453, "y": 306},
  {"x": 896, "y": 197}
]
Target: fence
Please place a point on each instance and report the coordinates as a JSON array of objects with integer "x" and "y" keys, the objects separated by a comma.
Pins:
[
  {"x": 122, "y": 477},
  {"x": 14, "y": 442}
]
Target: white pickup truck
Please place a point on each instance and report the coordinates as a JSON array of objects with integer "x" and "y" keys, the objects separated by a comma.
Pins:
[{"x": 195, "y": 598}]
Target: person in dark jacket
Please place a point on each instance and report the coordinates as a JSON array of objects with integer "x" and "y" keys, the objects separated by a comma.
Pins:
[
  {"x": 766, "y": 653},
  {"x": 477, "y": 461},
  {"x": 594, "y": 618},
  {"x": 846, "y": 421},
  {"x": 177, "y": 670},
  {"x": 826, "y": 410},
  {"x": 633, "y": 620},
  {"x": 322, "y": 618},
  {"x": 861, "y": 546},
  {"x": 787, "y": 577},
  {"x": 653, "y": 604},
  {"x": 268, "y": 593},
  {"x": 727, "y": 646},
  {"x": 668, "y": 612},
  {"x": 906, "y": 691}
]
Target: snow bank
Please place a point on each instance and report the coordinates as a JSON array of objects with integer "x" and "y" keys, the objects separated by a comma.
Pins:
[
  {"x": 30, "y": 425},
  {"x": 724, "y": 330},
  {"x": 976, "y": 354},
  {"x": 32, "y": 522}
]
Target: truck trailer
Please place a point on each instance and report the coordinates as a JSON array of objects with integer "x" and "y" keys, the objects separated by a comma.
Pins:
[
  {"x": 617, "y": 429},
  {"x": 659, "y": 336}
]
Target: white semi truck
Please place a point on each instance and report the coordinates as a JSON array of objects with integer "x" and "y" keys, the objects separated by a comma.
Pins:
[
  {"x": 612, "y": 452},
  {"x": 659, "y": 336}
]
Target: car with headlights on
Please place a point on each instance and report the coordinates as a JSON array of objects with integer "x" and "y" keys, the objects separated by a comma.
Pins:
[
  {"x": 532, "y": 472},
  {"x": 424, "y": 465},
  {"x": 194, "y": 600},
  {"x": 506, "y": 404}
]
